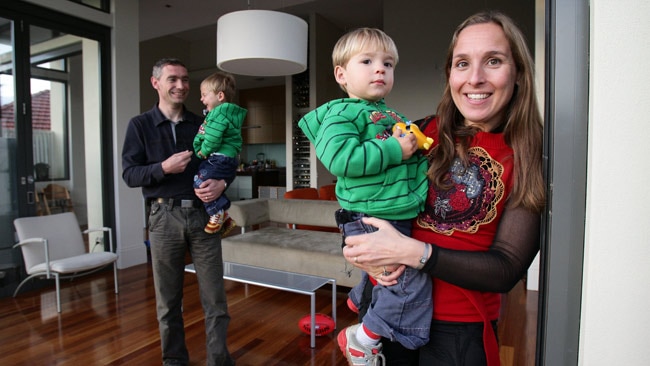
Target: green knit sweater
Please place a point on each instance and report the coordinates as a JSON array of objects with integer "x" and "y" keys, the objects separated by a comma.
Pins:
[
  {"x": 353, "y": 139},
  {"x": 220, "y": 131}
]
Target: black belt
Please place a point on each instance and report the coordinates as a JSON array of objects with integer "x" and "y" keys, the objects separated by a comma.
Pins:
[{"x": 175, "y": 202}]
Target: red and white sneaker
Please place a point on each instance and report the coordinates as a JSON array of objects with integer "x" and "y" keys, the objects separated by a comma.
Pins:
[
  {"x": 215, "y": 222},
  {"x": 352, "y": 307},
  {"x": 227, "y": 226},
  {"x": 357, "y": 354}
]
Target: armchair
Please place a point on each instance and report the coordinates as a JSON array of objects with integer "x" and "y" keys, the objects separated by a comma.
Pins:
[{"x": 53, "y": 247}]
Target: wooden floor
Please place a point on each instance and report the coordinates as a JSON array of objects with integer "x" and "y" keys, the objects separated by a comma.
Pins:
[{"x": 98, "y": 327}]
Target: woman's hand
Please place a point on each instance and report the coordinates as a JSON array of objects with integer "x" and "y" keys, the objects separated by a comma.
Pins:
[
  {"x": 375, "y": 249},
  {"x": 382, "y": 254},
  {"x": 210, "y": 190}
]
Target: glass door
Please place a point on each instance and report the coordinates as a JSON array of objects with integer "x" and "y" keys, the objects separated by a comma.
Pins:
[
  {"x": 51, "y": 146},
  {"x": 9, "y": 134}
]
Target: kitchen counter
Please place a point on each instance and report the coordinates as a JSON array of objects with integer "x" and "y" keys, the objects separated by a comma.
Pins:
[{"x": 249, "y": 188}]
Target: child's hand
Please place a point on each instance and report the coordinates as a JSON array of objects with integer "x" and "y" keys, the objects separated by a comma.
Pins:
[
  {"x": 389, "y": 278},
  {"x": 408, "y": 143},
  {"x": 423, "y": 141}
]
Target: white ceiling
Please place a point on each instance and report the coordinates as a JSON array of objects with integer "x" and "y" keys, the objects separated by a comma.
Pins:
[
  {"x": 191, "y": 18},
  {"x": 196, "y": 20}
]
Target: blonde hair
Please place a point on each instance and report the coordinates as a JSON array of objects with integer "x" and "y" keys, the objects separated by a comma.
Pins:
[
  {"x": 357, "y": 41},
  {"x": 522, "y": 126},
  {"x": 221, "y": 82}
]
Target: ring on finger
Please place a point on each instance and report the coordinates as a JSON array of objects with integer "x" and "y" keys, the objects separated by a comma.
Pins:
[{"x": 355, "y": 260}]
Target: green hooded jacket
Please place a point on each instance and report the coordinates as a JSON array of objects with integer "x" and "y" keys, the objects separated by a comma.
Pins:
[
  {"x": 353, "y": 139},
  {"x": 221, "y": 131}
]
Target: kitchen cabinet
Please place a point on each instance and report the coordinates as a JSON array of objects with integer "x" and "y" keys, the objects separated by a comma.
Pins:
[
  {"x": 246, "y": 184},
  {"x": 240, "y": 188},
  {"x": 265, "y": 120}
]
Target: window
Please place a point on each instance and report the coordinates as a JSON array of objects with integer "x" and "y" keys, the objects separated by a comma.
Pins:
[
  {"x": 50, "y": 129},
  {"x": 102, "y": 5}
]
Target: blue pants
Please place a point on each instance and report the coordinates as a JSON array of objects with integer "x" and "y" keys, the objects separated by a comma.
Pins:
[
  {"x": 172, "y": 231},
  {"x": 216, "y": 166},
  {"x": 401, "y": 312}
]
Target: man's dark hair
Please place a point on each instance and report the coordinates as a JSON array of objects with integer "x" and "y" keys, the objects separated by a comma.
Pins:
[{"x": 158, "y": 66}]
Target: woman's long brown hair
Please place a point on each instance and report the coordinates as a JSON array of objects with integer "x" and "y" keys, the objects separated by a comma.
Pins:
[{"x": 522, "y": 127}]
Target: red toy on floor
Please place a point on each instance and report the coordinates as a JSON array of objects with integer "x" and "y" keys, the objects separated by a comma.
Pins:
[{"x": 324, "y": 324}]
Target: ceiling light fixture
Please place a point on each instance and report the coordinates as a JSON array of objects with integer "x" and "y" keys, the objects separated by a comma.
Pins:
[{"x": 261, "y": 43}]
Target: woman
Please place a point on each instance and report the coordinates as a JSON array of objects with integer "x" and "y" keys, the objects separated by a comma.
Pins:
[{"x": 479, "y": 231}]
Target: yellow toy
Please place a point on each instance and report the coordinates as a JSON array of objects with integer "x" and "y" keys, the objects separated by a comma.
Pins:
[{"x": 423, "y": 141}]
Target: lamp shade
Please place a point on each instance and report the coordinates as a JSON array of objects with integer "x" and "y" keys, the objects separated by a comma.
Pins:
[{"x": 261, "y": 43}]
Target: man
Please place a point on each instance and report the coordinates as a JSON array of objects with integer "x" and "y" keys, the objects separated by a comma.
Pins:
[{"x": 158, "y": 156}]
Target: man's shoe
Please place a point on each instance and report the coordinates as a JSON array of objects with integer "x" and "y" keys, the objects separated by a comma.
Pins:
[
  {"x": 228, "y": 226},
  {"x": 215, "y": 222},
  {"x": 357, "y": 354}
]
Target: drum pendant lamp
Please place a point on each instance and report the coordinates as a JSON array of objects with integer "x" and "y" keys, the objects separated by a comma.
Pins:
[{"x": 261, "y": 43}]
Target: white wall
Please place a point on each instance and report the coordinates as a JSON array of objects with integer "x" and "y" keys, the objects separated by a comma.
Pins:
[
  {"x": 129, "y": 205},
  {"x": 615, "y": 321}
]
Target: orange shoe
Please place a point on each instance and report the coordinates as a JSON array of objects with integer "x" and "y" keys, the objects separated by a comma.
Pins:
[
  {"x": 227, "y": 226},
  {"x": 215, "y": 222}
]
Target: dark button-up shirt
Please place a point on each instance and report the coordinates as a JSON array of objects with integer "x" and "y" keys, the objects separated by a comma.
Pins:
[{"x": 148, "y": 142}]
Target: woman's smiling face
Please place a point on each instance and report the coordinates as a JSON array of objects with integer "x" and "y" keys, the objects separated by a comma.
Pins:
[{"x": 482, "y": 76}]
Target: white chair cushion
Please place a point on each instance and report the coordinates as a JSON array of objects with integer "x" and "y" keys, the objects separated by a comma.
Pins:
[{"x": 77, "y": 263}]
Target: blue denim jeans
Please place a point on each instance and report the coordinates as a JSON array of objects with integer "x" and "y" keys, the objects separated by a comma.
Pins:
[
  {"x": 172, "y": 231},
  {"x": 216, "y": 166},
  {"x": 401, "y": 312}
]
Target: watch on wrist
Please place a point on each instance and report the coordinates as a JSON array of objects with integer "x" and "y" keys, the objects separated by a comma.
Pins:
[{"x": 424, "y": 257}]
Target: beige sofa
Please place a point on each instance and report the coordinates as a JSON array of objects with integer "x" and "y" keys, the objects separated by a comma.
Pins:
[{"x": 268, "y": 241}]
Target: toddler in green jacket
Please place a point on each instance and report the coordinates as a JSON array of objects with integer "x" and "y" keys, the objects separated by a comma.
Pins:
[
  {"x": 217, "y": 144},
  {"x": 379, "y": 173}
]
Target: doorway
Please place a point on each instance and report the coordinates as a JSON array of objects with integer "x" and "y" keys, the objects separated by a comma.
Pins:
[{"x": 52, "y": 121}]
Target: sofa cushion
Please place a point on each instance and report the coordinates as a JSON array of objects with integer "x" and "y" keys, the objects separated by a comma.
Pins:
[
  {"x": 250, "y": 212},
  {"x": 280, "y": 237},
  {"x": 308, "y": 212},
  {"x": 302, "y": 251},
  {"x": 275, "y": 246}
]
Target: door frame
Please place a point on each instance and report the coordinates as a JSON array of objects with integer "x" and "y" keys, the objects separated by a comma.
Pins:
[
  {"x": 24, "y": 14},
  {"x": 566, "y": 137}
]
